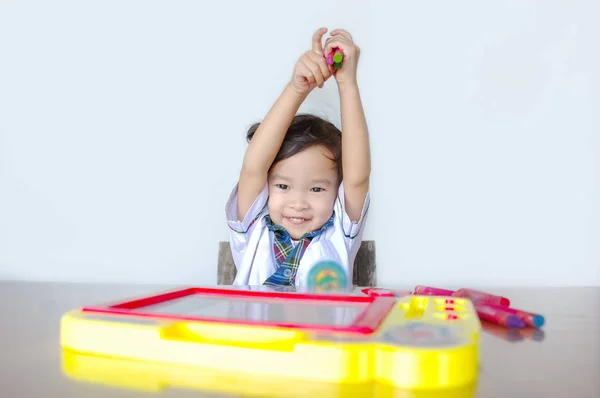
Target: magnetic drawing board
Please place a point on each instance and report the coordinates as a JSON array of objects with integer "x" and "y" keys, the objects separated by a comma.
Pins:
[{"x": 402, "y": 341}]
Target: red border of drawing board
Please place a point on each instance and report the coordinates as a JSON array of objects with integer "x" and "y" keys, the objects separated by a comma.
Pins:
[{"x": 366, "y": 322}]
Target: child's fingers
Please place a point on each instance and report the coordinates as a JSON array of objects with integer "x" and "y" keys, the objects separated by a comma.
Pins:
[
  {"x": 317, "y": 45},
  {"x": 309, "y": 61},
  {"x": 335, "y": 43},
  {"x": 342, "y": 33},
  {"x": 315, "y": 71},
  {"x": 327, "y": 46},
  {"x": 306, "y": 73},
  {"x": 331, "y": 69},
  {"x": 320, "y": 61}
]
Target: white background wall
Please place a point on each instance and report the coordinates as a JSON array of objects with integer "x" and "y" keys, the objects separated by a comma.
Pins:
[{"x": 122, "y": 128}]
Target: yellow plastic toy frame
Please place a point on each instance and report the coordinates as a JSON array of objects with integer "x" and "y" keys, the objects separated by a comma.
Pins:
[{"x": 423, "y": 343}]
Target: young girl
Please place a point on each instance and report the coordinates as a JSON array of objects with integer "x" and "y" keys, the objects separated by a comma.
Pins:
[{"x": 303, "y": 189}]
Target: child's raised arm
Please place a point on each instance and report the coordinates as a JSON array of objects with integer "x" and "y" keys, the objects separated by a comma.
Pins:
[
  {"x": 310, "y": 71},
  {"x": 356, "y": 153}
]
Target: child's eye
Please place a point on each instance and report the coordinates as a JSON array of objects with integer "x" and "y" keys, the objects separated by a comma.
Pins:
[
  {"x": 281, "y": 186},
  {"x": 316, "y": 189}
]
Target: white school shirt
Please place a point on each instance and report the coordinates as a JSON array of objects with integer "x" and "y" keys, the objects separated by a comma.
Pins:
[{"x": 252, "y": 242}]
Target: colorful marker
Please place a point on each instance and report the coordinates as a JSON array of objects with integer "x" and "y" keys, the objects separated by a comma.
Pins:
[
  {"x": 335, "y": 58},
  {"x": 499, "y": 317},
  {"x": 512, "y": 335},
  {"x": 529, "y": 318},
  {"x": 478, "y": 296},
  {"x": 432, "y": 291}
]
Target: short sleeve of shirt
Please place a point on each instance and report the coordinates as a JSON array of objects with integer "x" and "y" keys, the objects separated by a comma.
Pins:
[
  {"x": 352, "y": 230},
  {"x": 240, "y": 230}
]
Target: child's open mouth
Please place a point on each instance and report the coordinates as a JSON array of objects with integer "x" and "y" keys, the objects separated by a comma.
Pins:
[{"x": 296, "y": 220}]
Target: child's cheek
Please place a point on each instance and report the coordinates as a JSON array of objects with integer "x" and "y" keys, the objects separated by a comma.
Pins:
[{"x": 274, "y": 205}]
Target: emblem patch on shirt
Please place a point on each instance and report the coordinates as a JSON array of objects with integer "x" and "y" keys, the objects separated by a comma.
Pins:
[{"x": 327, "y": 276}]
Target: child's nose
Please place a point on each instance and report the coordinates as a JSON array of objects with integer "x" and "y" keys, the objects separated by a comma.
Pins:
[{"x": 299, "y": 203}]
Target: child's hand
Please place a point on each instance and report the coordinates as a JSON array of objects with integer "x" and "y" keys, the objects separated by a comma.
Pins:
[
  {"x": 343, "y": 40},
  {"x": 311, "y": 69}
]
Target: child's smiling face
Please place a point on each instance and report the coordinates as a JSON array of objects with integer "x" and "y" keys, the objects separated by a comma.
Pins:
[{"x": 302, "y": 191}]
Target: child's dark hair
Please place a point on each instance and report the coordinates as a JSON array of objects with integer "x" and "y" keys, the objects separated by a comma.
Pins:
[{"x": 306, "y": 131}]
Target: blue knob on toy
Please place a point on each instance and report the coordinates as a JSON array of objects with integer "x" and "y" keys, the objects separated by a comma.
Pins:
[{"x": 327, "y": 275}]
